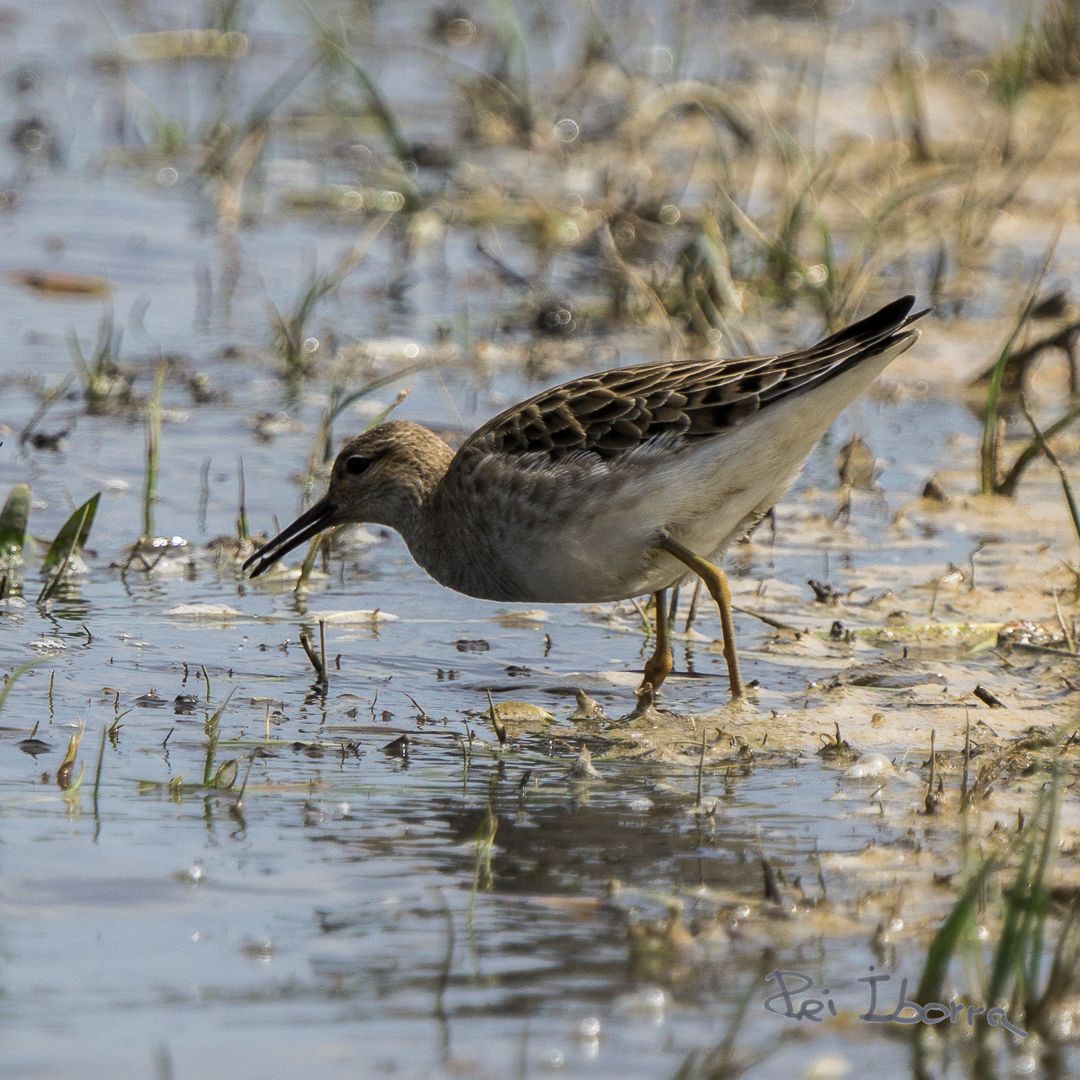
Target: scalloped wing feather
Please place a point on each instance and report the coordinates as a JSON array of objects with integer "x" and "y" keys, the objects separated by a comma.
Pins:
[{"x": 615, "y": 411}]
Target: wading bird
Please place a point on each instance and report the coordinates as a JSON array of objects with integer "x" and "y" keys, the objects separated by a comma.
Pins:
[{"x": 609, "y": 486}]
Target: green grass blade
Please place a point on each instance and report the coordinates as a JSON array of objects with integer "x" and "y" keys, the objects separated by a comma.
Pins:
[
  {"x": 1044, "y": 446},
  {"x": 67, "y": 544},
  {"x": 334, "y": 51},
  {"x": 212, "y": 729},
  {"x": 1013, "y": 942},
  {"x": 1039, "y": 895},
  {"x": 153, "y": 444},
  {"x": 308, "y": 564},
  {"x": 988, "y": 479},
  {"x": 946, "y": 940},
  {"x": 13, "y": 521},
  {"x": 517, "y": 55},
  {"x": 1063, "y": 967},
  {"x": 71, "y": 539},
  {"x": 1033, "y": 449},
  {"x": 78, "y": 358},
  {"x": 13, "y": 677},
  {"x": 343, "y": 403}
]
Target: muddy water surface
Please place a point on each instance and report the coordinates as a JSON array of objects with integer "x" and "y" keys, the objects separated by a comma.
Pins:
[{"x": 442, "y": 906}]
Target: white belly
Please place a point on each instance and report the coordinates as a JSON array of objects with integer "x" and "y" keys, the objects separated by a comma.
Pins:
[{"x": 699, "y": 495}]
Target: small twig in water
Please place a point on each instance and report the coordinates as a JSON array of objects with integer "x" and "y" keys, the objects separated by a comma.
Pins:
[
  {"x": 241, "y": 512},
  {"x": 931, "y": 802},
  {"x": 97, "y": 771},
  {"x": 1066, "y": 629},
  {"x": 965, "y": 797},
  {"x": 988, "y": 698},
  {"x": 692, "y": 613},
  {"x": 772, "y": 886},
  {"x": 243, "y": 786},
  {"x": 496, "y": 723},
  {"x": 321, "y": 680},
  {"x": 701, "y": 768},
  {"x": 768, "y": 621},
  {"x": 153, "y": 440},
  {"x": 421, "y": 713}
]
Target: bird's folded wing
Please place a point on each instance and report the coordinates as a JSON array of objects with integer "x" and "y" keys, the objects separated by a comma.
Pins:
[{"x": 615, "y": 411}]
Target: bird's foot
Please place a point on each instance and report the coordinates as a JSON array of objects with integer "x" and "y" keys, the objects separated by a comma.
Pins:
[
  {"x": 742, "y": 698},
  {"x": 643, "y": 710},
  {"x": 658, "y": 668}
]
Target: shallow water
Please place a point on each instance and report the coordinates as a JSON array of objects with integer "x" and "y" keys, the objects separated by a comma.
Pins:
[
  {"x": 346, "y": 932},
  {"x": 447, "y": 912}
]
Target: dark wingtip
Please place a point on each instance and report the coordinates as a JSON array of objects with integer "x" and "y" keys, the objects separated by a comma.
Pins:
[
  {"x": 901, "y": 305},
  {"x": 893, "y": 316},
  {"x": 897, "y": 313}
]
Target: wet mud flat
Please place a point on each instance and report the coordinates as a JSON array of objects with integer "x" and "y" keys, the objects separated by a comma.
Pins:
[{"x": 341, "y": 821}]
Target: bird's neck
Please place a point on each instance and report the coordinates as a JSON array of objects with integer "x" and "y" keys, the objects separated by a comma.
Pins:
[
  {"x": 439, "y": 529},
  {"x": 410, "y": 512}
]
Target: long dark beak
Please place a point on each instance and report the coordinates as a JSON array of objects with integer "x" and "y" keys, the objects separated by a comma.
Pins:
[{"x": 308, "y": 524}]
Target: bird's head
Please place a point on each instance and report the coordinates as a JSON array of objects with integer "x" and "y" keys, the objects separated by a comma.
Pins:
[{"x": 381, "y": 477}]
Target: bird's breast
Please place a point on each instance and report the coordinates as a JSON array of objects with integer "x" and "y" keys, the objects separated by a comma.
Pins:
[{"x": 572, "y": 533}]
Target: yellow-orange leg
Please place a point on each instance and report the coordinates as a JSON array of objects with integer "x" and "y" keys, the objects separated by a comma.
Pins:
[
  {"x": 660, "y": 663},
  {"x": 717, "y": 583}
]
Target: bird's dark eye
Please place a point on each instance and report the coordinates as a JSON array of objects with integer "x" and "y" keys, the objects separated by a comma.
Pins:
[{"x": 356, "y": 464}]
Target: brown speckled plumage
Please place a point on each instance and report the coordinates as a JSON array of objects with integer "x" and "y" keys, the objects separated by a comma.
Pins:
[
  {"x": 614, "y": 411},
  {"x": 564, "y": 497}
]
